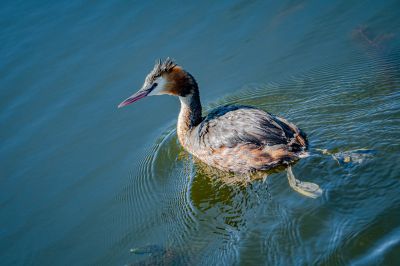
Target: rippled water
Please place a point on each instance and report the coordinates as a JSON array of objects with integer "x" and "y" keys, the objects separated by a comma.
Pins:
[{"x": 84, "y": 183}]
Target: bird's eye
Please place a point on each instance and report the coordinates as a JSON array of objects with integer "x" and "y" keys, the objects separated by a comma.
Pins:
[{"x": 153, "y": 86}]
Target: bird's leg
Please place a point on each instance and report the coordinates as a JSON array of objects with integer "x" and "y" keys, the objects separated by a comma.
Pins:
[
  {"x": 248, "y": 178},
  {"x": 265, "y": 181},
  {"x": 308, "y": 189},
  {"x": 326, "y": 152},
  {"x": 351, "y": 156}
]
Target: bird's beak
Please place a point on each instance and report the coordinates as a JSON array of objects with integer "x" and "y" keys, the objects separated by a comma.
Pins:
[{"x": 135, "y": 97}]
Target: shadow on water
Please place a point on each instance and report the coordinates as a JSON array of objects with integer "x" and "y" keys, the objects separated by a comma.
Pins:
[{"x": 199, "y": 218}]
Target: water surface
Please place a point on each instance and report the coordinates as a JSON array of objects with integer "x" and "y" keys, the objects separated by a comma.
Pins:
[{"x": 84, "y": 183}]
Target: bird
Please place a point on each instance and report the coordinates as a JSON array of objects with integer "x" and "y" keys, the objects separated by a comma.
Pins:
[{"x": 233, "y": 138}]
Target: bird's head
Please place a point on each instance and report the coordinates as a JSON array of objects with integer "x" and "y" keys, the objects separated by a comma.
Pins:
[{"x": 165, "y": 78}]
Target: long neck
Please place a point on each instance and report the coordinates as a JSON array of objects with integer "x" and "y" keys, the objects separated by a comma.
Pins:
[{"x": 190, "y": 114}]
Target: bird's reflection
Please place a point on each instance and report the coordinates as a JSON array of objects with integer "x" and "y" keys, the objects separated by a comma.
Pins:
[{"x": 227, "y": 197}]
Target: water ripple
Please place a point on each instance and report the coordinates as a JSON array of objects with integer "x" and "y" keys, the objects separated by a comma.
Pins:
[{"x": 205, "y": 220}]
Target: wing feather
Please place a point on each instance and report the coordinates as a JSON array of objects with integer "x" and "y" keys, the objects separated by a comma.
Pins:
[{"x": 229, "y": 126}]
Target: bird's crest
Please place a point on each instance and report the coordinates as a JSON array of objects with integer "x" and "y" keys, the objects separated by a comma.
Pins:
[{"x": 160, "y": 68}]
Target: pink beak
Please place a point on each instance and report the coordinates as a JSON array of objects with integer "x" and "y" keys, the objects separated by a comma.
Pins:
[{"x": 135, "y": 97}]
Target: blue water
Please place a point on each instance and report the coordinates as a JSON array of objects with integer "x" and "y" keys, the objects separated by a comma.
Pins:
[{"x": 82, "y": 182}]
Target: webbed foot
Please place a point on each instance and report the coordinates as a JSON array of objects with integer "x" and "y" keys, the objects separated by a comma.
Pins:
[
  {"x": 356, "y": 156},
  {"x": 308, "y": 189}
]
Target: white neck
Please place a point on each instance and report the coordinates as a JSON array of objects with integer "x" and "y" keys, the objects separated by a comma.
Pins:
[{"x": 189, "y": 116}]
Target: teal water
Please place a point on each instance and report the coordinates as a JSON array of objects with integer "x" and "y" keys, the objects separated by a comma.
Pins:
[{"x": 85, "y": 183}]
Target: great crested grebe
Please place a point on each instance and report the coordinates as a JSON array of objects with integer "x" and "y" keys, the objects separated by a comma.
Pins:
[{"x": 238, "y": 139}]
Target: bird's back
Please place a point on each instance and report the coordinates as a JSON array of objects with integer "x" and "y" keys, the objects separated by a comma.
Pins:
[{"x": 244, "y": 139}]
